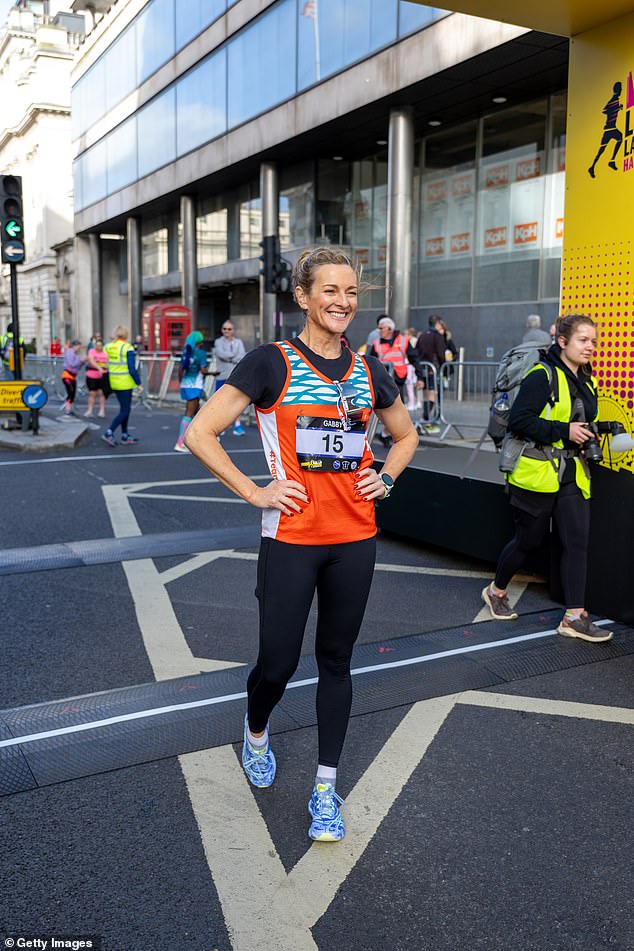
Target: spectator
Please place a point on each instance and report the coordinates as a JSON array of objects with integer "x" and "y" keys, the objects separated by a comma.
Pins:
[
  {"x": 7, "y": 351},
  {"x": 552, "y": 330},
  {"x": 123, "y": 377},
  {"x": 451, "y": 353},
  {"x": 534, "y": 334},
  {"x": 430, "y": 349},
  {"x": 192, "y": 369},
  {"x": 410, "y": 382},
  {"x": 396, "y": 353},
  {"x": 374, "y": 334},
  {"x": 229, "y": 350},
  {"x": 55, "y": 349},
  {"x": 71, "y": 367},
  {"x": 97, "y": 378}
]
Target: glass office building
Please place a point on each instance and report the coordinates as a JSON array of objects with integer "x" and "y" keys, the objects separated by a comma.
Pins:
[{"x": 178, "y": 98}]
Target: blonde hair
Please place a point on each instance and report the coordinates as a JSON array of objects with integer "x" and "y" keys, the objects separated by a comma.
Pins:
[
  {"x": 120, "y": 332},
  {"x": 306, "y": 267}
]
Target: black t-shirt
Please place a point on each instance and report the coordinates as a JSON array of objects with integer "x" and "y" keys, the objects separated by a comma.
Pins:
[{"x": 261, "y": 374}]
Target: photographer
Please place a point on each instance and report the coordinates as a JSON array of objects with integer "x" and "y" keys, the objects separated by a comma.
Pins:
[{"x": 552, "y": 415}]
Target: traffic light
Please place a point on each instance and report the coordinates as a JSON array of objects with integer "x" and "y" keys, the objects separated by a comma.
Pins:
[
  {"x": 11, "y": 222},
  {"x": 276, "y": 271},
  {"x": 283, "y": 272},
  {"x": 270, "y": 245}
]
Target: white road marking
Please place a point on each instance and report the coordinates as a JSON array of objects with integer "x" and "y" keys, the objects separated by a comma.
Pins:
[
  {"x": 118, "y": 457},
  {"x": 265, "y": 908},
  {"x": 189, "y": 498},
  {"x": 192, "y": 564},
  {"x": 163, "y": 638},
  {"x": 293, "y": 685},
  {"x": 560, "y": 708}
]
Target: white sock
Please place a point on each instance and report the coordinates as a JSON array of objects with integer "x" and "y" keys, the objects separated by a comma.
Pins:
[
  {"x": 258, "y": 742},
  {"x": 326, "y": 774}
]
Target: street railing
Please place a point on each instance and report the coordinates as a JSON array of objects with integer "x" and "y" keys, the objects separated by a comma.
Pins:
[{"x": 465, "y": 395}]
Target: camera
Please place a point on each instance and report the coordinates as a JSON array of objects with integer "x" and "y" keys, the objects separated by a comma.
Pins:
[{"x": 592, "y": 448}]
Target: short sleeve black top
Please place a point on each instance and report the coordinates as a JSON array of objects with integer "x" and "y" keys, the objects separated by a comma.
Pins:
[{"x": 261, "y": 374}]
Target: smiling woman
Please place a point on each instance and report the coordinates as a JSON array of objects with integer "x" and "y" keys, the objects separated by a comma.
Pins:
[{"x": 313, "y": 400}]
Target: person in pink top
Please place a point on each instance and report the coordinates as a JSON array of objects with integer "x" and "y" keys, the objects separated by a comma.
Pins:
[{"x": 97, "y": 377}]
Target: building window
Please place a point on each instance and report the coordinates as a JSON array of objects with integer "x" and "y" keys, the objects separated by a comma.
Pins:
[
  {"x": 155, "y": 37},
  {"x": 511, "y": 205},
  {"x": 121, "y": 149},
  {"x": 211, "y": 237},
  {"x": 250, "y": 228},
  {"x": 332, "y": 34},
  {"x": 446, "y": 237},
  {"x": 554, "y": 200},
  {"x": 157, "y": 132},
  {"x": 201, "y": 96},
  {"x": 297, "y": 206},
  {"x": 261, "y": 64},
  {"x": 154, "y": 244}
]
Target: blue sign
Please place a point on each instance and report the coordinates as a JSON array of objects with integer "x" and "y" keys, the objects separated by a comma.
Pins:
[
  {"x": 34, "y": 396},
  {"x": 13, "y": 252}
]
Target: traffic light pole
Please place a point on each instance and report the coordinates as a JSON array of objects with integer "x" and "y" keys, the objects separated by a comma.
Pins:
[{"x": 17, "y": 353}]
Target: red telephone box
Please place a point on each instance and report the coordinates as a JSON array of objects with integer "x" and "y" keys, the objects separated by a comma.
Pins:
[{"x": 165, "y": 327}]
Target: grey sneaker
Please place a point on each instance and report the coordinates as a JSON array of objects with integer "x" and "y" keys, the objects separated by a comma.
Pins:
[
  {"x": 583, "y": 628},
  {"x": 500, "y": 608}
]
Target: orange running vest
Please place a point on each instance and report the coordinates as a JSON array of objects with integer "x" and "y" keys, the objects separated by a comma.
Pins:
[{"x": 305, "y": 438}]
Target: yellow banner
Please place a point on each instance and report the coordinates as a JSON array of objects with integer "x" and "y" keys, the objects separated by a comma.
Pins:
[
  {"x": 598, "y": 260},
  {"x": 11, "y": 394}
]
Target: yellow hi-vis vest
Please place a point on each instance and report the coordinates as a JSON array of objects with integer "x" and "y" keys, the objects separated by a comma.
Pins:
[
  {"x": 118, "y": 372},
  {"x": 542, "y": 475},
  {"x": 7, "y": 346}
]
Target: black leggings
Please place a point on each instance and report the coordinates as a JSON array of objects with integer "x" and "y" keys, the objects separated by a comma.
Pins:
[
  {"x": 571, "y": 513},
  {"x": 71, "y": 389},
  {"x": 288, "y": 576}
]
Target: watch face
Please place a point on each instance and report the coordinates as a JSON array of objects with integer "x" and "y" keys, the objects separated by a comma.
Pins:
[{"x": 388, "y": 480}]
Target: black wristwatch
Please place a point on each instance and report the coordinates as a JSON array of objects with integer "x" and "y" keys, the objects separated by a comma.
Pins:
[{"x": 388, "y": 482}]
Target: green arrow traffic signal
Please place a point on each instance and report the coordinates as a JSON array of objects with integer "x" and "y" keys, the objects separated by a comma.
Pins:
[{"x": 13, "y": 229}]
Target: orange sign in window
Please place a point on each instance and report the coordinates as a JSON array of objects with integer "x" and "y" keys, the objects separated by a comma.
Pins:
[
  {"x": 495, "y": 237},
  {"x": 526, "y": 233},
  {"x": 434, "y": 247},
  {"x": 460, "y": 243}
]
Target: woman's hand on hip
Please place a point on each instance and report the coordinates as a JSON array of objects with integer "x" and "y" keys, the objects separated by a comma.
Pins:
[
  {"x": 281, "y": 494},
  {"x": 369, "y": 485}
]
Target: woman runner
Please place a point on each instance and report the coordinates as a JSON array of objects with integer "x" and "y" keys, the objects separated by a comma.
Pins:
[{"x": 313, "y": 399}]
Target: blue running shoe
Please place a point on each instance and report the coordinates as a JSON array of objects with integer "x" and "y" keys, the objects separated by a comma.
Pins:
[
  {"x": 259, "y": 765},
  {"x": 327, "y": 824}
]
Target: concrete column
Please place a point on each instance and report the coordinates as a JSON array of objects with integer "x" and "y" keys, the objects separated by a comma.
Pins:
[
  {"x": 233, "y": 231},
  {"x": 190, "y": 271},
  {"x": 96, "y": 298},
  {"x": 135, "y": 276},
  {"x": 270, "y": 217},
  {"x": 399, "y": 216}
]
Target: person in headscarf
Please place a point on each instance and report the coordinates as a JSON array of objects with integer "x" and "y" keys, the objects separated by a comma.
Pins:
[{"x": 191, "y": 371}]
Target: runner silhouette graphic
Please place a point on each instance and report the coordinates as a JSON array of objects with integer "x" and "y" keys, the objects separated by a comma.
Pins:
[{"x": 610, "y": 132}]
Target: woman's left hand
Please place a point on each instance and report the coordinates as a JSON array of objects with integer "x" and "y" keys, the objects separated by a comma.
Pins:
[{"x": 369, "y": 485}]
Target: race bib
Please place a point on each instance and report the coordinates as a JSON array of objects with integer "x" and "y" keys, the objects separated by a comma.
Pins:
[{"x": 324, "y": 445}]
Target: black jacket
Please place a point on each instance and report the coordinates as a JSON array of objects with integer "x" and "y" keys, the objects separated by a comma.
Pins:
[
  {"x": 534, "y": 392},
  {"x": 430, "y": 348}
]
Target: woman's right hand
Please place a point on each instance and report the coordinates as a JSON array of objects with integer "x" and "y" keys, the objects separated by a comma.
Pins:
[
  {"x": 281, "y": 494},
  {"x": 578, "y": 433}
]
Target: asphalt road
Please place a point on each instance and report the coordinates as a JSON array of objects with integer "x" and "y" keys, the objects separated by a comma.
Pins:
[{"x": 496, "y": 818}]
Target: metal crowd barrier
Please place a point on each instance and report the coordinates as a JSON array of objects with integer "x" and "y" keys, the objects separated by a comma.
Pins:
[
  {"x": 158, "y": 372},
  {"x": 465, "y": 395}
]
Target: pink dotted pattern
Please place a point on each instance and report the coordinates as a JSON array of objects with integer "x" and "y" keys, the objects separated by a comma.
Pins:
[{"x": 598, "y": 280}]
